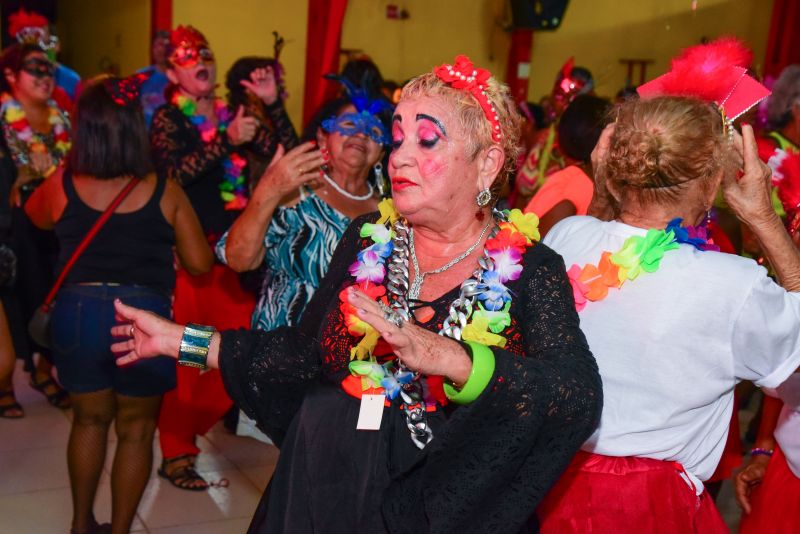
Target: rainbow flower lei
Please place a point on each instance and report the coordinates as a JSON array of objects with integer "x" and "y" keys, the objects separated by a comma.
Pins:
[
  {"x": 639, "y": 254},
  {"x": 14, "y": 117},
  {"x": 488, "y": 319},
  {"x": 233, "y": 189}
]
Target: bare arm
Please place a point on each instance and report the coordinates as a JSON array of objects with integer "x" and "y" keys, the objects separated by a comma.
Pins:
[
  {"x": 192, "y": 247},
  {"x": 152, "y": 335},
  {"x": 749, "y": 197},
  {"x": 47, "y": 203},
  {"x": 244, "y": 248}
]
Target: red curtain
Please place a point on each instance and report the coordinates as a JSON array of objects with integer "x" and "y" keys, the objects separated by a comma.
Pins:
[
  {"x": 323, "y": 43},
  {"x": 160, "y": 16},
  {"x": 783, "y": 46},
  {"x": 519, "y": 63}
]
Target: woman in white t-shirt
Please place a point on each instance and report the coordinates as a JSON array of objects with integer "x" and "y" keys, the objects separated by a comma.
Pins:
[{"x": 672, "y": 342}]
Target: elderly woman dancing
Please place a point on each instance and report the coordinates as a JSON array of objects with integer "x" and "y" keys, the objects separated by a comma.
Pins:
[
  {"x": 673, "y": 323},
  {"x": 438, "y": 380}
]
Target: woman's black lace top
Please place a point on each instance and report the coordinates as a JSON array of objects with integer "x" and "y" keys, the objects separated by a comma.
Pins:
[
  {"x": 497, "y": 457},
  {"x": 180, "y": 153}
]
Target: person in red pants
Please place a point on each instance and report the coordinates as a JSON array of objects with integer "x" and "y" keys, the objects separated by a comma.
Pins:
[{"x": 200, "y": 142}]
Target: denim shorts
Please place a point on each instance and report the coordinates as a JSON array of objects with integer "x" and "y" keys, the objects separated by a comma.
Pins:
[{"x": 81, "y": 340}]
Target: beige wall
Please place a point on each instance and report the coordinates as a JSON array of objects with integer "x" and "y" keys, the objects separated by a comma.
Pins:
[
  {"x": 237, "y": 28},
  {"x": 435, "y": 32},
  {"x": 601, "y": 32},
  {"x": 597, "y": 32},
  {"x": 99, "y": 35}
]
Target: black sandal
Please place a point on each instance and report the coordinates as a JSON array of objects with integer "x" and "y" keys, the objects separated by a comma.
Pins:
[
  {"x": 58, "y": 398},
  {"x": 182, "y": 477},
  {"x": 10, "y": 407},
  {"x": 94, "y": 528}
]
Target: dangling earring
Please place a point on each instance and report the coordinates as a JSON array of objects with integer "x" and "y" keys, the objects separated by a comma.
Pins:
[
  {"x": 483, "y": 198},
  {"x": 326, "y": 157},
  {"x": 379, "y": 180}
]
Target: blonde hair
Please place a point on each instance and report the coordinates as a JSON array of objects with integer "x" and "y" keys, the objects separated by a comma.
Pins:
[
  {"x": 474, "y": 121},
  {"x": 663, "y": 147}
]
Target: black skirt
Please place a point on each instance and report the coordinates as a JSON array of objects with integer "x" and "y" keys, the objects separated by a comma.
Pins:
[{"x": 331, "y": 477}]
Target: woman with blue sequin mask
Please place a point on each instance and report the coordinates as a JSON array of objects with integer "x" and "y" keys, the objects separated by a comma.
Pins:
[{"x": 303, "y": 203}]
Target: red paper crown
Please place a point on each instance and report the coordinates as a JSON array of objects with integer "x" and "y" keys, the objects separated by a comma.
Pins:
[
  {"x": 462, "y": 74},
  {"x": 714, "y": 72},
  {"x": 22, "y": 19}
]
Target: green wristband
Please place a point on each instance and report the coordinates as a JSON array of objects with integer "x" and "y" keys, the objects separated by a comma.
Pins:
[
  {"x": 482, "y": 371},
  {"x": 194, "y": 345}
]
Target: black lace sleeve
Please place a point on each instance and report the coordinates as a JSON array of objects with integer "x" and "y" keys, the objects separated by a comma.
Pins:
[
  {"x": 497, "y": 457},
  {"x": 267, "y": 373},
  {"x": 279, "y": 130},
  {"x": 178, "y": 151}
]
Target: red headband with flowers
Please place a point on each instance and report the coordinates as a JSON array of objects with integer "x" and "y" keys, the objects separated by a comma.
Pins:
[{"x": 462, "y": 74}]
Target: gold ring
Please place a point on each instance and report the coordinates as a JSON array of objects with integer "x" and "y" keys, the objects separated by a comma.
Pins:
[{"x": 132, "y": 329}]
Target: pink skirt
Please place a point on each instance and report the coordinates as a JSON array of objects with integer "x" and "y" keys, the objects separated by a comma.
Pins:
[{"x": 611, "y": 494}]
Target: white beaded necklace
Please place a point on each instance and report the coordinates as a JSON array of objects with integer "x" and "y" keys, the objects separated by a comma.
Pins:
[{"x": 345, "y": 193}]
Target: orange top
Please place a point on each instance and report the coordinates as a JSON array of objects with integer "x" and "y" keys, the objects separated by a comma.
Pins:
[{"x": 570, "y": 184}]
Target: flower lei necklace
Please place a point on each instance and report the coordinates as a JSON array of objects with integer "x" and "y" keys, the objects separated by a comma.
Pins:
[
  {"x": 233, "y": 189},
  {"x": 500, "y": 263},
  {"x": 19, "y": 126},
  {"x": 638, "y": 254}
]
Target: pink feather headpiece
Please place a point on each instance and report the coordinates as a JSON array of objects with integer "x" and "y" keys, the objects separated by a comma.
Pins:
[{"x": 715, "y": 73}]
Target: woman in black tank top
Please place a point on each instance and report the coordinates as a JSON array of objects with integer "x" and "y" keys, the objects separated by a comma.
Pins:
[{"x": 131, "y": 257}]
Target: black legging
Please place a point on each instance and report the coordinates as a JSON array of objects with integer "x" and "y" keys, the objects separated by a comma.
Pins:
[{"x": 36, "y": 252}]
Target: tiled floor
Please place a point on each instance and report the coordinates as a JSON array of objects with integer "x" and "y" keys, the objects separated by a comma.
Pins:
[
  {"x": 35, "y": 496},
  {"x": 34, "y": 487}
]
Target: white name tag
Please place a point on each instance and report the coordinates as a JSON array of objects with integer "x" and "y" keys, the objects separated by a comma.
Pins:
[{"x": 371, "y": 412}]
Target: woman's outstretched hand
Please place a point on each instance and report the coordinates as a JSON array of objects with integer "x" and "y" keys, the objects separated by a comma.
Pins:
[
  {"x": 146, "y": 335},
  {"x": 263, "y": 84},
  {"x": 419, "y": 349}
]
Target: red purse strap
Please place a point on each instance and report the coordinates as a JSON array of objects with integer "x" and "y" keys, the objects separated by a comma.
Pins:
[{"x": 51, "y": 296}]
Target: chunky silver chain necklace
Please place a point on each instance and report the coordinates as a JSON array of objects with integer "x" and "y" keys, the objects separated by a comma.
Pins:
[
  {"x": 459, "y": 312},
  {"x": 345, "y": 193},
  {"x": 419, "y": 277}
]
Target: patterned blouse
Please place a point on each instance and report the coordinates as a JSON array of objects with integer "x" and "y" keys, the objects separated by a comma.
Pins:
[{"x": 299, "y": 244}]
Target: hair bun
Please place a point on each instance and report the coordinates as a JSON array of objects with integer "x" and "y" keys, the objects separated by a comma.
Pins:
[
  {"x": 661, "y": 145},
  {"x": 635, "y": 155}
]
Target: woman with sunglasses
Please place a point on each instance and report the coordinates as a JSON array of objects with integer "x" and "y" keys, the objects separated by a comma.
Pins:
[
  {"x": 35, "y": 140},
  {"x": 199, "y": 141}
]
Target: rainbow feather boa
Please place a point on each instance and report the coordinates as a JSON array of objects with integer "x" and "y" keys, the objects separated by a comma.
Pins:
[
  {"x": 487, "y": 321},
  {"x": 233, "y": 189},
  {"x": 639, "y": 254}
]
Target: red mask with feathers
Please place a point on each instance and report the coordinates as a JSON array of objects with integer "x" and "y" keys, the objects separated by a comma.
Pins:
[{"x": 188, "y": 47}]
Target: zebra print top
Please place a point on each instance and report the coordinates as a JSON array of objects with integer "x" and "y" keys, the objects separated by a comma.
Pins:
[{"x": 299, "y": 244}]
